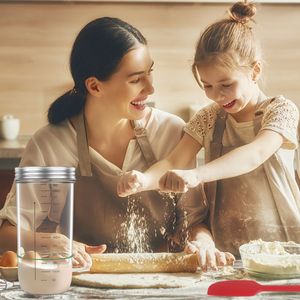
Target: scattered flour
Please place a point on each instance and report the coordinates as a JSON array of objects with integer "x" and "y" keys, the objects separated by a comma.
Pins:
[{"x": 133, "y": 234}]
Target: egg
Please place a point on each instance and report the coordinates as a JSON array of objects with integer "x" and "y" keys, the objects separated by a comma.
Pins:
[
  {"x": 9, "y": 259},
  {"x": 31, "y": 255}
]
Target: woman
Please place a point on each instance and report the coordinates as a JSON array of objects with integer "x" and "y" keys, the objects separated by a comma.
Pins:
[{"x": 104, "y": 128}]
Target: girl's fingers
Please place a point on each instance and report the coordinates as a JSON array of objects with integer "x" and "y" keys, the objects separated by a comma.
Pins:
[
  {"x": 211, "y": 259},
  {"x": 162, "y": 183},
  {"x": 229, "y": 258},
  {"x": 190, "y": 248},
  {"x": 185, "y": 187},
  {"x": 181, "y": 186},
  {"x": 220, "y": 258},
  {"x": 132, "y": 181},
  {"x": 202, "y": 259},
  {"x": 174, "y": 183},
  {"x": 168, "y": 183},
  {"x": 194, "y": 247},
  {"x": 137, "y": 185}
]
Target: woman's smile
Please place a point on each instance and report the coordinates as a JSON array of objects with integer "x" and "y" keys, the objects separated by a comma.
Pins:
[{"x": 139, "y": 104}]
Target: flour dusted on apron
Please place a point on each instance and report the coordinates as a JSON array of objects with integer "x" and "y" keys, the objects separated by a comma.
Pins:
[
  {"x": 259, "y": 204},
  {"x": 145, "y": 222}
]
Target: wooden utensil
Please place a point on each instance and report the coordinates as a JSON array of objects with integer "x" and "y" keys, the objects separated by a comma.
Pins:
[
  {"x": 246, "y": 288},
  {"x": 144, "y": 263}
]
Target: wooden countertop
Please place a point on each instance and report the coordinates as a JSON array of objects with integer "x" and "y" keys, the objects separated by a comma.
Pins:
[{"x": 13, "y": 149}]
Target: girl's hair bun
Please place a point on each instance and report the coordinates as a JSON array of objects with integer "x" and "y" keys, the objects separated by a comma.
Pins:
[{"x": 242, "y": 12}]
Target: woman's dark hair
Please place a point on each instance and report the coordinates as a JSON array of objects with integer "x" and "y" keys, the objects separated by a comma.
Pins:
[{"x": 97, "y": 51}]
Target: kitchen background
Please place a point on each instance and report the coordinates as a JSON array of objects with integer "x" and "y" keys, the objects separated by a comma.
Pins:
[{"x": 36, "y": 38}]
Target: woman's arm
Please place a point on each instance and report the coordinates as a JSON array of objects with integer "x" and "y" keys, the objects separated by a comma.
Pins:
[
  {"x": 239, "y": 161},
  {"x": 183, "y": 156},
  {"x": 81, "y": 258}
]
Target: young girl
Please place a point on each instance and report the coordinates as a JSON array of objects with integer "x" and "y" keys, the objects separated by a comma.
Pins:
[{"x": 249, "y": 141}]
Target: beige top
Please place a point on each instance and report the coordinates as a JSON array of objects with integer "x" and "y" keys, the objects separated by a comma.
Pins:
[
  {"x": 100, "y": 220},
  {"x": 264, "y": 203},
  {"x": 280, "y": 115}
]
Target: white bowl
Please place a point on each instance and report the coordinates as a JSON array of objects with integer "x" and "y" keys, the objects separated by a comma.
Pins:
[
  {"x": 9, "y": 273},
  {"x": 272, "y": 260}
]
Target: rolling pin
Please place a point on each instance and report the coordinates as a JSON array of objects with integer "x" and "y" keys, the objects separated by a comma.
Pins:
[{"x": 144, "y": 263}]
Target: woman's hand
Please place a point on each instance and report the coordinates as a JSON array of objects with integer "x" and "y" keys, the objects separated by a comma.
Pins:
[
  {"x": 179, "y": 181},
  {"x": 81, "y": 257},
  {"x": 130, "y": 183},
  {"x": 60, "y": 246},
  {"x": 209, "y": 256}
]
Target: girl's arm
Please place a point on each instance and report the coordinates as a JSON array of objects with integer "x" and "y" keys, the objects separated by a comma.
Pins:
[
  {"x": 237, "y": 162},
  {"x": 182, "y": 157},
  {"x": 244, "y": 159}
]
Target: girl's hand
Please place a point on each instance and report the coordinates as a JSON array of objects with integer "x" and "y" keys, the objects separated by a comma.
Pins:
[
  {"x": 179, "y": 181},
  {"x": 209, "y": 256},
  {"x": 130, "y": 183},
  {"x": 81, "y": 257}
]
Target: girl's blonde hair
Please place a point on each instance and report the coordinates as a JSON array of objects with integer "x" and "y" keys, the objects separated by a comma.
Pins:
[{"x": 229, "y": 42}]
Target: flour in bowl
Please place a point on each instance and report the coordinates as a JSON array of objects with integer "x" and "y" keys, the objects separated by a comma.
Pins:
[{"x": 276, "y": 259}]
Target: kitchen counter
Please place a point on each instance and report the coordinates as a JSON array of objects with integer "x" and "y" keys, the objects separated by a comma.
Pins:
[
  {"x": 76, "y": 292},
  {"x": 200, "y": 292},
  {"x": 13, "y": 149}
]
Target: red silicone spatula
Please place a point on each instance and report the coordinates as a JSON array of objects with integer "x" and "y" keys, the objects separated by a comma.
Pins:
[{"x": 246, "y": 288}]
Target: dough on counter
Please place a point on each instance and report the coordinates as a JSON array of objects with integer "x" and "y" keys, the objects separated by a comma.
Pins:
[
  {"x": 144, "y": 263},
  {"x": 138, "y": 281}
]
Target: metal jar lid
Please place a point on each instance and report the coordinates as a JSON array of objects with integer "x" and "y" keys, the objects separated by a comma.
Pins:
[{"x": 25, "y": 174}]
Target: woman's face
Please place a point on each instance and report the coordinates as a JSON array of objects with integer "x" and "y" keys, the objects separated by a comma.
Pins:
[
  {"x": 126, "y": 92},
  {"x": 233, "y": 90}
]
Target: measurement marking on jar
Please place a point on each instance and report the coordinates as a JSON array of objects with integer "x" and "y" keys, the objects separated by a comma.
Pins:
[{"x": 34, "y": 238}]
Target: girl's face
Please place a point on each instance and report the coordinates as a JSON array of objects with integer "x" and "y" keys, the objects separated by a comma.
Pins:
[
  {"x": 234, "y": 90},
  {"x": 126, "y": 92}
]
